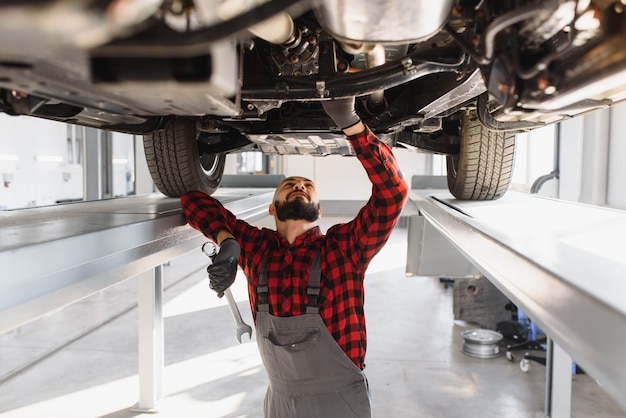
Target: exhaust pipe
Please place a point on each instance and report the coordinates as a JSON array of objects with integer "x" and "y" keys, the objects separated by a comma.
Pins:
[
  {"x": 375, "y": 103},
  {"x": 278, "y": 29},
  {"x": 374, "y": 57}
]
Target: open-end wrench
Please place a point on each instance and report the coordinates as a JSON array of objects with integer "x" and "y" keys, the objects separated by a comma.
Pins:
[
  {"x": 242, "y": 327},
  {"x": 210, "y": 249}
]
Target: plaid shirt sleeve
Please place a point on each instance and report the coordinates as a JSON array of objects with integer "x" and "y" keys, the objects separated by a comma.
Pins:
[
  {"x": 206, "y": 214},
  {"x": 364, "y": 236},
  {"x": 351, "y": 246},
  {"x": 209, "y": 216}
]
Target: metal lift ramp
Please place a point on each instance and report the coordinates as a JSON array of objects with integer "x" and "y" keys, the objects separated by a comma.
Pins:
[
  {"x": 54, "y": 256},
  {"x": 562, "y": 263}
]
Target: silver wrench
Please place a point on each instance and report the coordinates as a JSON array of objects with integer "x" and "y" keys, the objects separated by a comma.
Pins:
[
  {"x": 242, "y": 327},
  {"x": 210, "y": 249}
]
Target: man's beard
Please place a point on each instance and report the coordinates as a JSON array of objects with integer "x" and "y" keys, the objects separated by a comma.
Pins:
[{"x": 297, "y": 209}]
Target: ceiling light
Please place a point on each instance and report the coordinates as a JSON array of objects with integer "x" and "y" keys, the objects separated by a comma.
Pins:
[
  {"x": 9, "y": 157},
  {"x": 49, "y": 158}
]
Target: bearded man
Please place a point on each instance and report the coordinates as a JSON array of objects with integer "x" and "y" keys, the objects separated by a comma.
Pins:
[{"x": 305, "y": 287}]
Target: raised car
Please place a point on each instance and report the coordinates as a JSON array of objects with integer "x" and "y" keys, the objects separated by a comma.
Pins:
[{"x": 204, "y": 78}]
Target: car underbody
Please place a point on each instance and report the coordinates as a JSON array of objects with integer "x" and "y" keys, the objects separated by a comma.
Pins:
[{"x": 204, "y": 78}]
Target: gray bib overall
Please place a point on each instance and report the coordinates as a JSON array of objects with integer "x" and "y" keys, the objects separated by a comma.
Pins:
[{"x": 309, "y": 374}]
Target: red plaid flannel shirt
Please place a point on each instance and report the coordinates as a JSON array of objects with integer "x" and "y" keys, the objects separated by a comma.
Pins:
[{"x": 346, "y": 249}]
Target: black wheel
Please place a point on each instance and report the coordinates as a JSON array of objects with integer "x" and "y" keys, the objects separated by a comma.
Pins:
[
  {"x": 175, "y": 165},
  {"x": 483, "y": 167}
]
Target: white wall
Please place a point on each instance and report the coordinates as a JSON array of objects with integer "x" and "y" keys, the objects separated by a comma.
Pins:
[
  {"x": 230, "y": 166},
  {"x": 36, "y": 183},
  {"x": 534, "y": 157},
  {"x": 616, "y": 187},
  {"x": 123, "y": 151},
  {"x": 593, "y": 151},
  {"x": 343, "y": 178},
  {"x": 591, "y": 158}
]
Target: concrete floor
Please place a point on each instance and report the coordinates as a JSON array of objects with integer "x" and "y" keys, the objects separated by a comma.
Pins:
[{"x": 82, "y": 361}]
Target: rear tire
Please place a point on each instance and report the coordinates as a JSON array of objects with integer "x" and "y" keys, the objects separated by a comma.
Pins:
[
  {"x": 483, "y": 167},
  {"x": 176, "y": 166}
]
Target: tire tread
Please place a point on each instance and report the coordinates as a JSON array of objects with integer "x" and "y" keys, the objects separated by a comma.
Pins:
[
  {"x": 484, "y": 167},
  {"x": 174, "y": 163}
]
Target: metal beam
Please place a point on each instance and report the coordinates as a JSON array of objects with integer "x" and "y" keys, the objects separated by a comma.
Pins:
[
  {"x": 560, "y": 262},
  {"x": 54, "y": 256}
]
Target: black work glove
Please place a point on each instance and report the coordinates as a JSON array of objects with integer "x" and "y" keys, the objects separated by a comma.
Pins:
[
  {"x": 223, "y": 270},
  {"x": 341, "y": 111}
]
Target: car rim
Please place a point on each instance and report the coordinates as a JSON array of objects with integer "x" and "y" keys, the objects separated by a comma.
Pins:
[{"x": 209, "y": 164}]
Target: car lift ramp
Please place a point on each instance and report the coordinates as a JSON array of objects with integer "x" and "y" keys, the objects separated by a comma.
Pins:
[
  {"x": 562, "y": 263},
  {"x": 54, "y": 256}
]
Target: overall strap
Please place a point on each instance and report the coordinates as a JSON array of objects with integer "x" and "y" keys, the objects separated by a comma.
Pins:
[
  {"x": 312, "y": 291},
  {"x": 262, "y": 290}
]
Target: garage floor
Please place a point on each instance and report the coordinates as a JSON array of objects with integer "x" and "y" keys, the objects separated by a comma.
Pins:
[{"x": 82, "y": 361}]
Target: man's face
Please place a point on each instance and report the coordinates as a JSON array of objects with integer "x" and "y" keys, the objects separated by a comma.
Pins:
[{"x": 296, "y": 198}]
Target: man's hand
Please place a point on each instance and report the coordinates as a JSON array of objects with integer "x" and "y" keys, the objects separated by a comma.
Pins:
[
  {"x": 342, "y": 112},
  {"x": 223, "y": 270}
]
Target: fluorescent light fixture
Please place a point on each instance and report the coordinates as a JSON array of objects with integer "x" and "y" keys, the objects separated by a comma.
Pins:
[
  {"x": 120, "y": 160},
  {"x": 9, "y": 157},
  {"x": 49, "y": 158}
]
